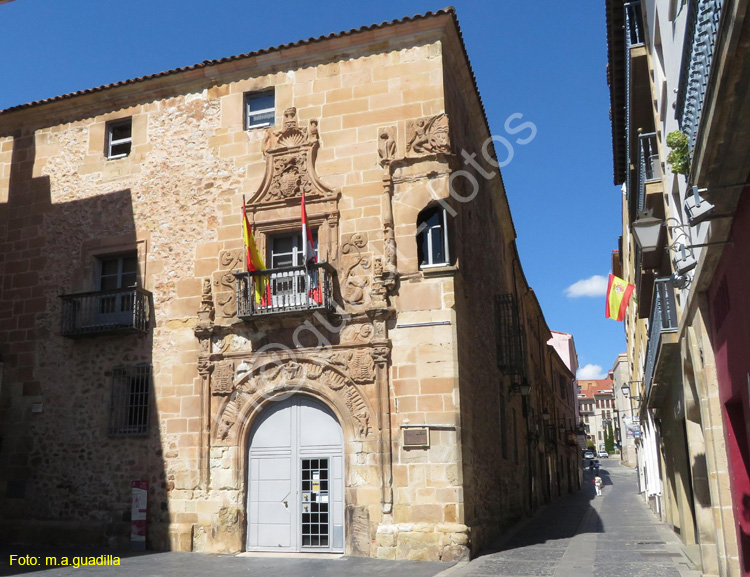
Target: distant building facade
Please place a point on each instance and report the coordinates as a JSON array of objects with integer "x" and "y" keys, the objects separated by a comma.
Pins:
[
  {"x": 596, "y": 402},
  {"x": 627, "y": 420},
  {"x": 394, "y": 397}
]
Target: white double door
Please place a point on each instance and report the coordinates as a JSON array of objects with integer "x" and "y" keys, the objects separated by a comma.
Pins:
[{"x": 295, "y": 497}]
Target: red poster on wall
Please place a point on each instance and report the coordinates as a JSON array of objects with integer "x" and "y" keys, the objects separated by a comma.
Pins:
[{"x": 138, "y": 515}]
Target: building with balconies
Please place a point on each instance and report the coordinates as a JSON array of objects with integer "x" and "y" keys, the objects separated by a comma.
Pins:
[
  {"x": 391, "y": 395},
  {"x": 596, "y": 403},
  {"x": 678, "y": 79}
]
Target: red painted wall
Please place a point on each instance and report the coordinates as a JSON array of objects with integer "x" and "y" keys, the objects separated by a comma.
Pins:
[{"x": 729, "y": 298}]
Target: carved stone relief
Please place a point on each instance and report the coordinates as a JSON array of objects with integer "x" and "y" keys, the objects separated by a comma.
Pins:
[
  {"x": 204, "y": 327},
  {"x": 222, "y": 382},
  {"x": 356, "y": 276},
  {"x": 357, "y": 334},
  {"x": 207, "y": 301},
  {"x": 386, "y": 145},
  {"x": 204, "y": 366},
  {"x": 357, "y": 362},
  {"x": 429, "y": 135},
  {"x": 339, "y": 371},
  {"x": 290, "y": 161},
  {"x": 224, "y": 282},
  {"x": 228, "y": 417},
  {"x": 290, "y": 177},
  {"x": 232, "y": 343}
]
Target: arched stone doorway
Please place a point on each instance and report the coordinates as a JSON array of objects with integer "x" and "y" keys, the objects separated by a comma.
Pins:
[{"x": 295, "y": 481}]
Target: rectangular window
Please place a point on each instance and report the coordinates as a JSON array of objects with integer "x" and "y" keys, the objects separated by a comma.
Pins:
[
  {"x": 295, "y": 288},
  {"x": 432, "y": 237},
  {"x": 129, "y": 406},
  {"x": 508, "y": 335},
  {"x": 119, "y": 138},
  {"x": 287, "y": 250},
  {"x": 259, "y": 109},
  {"x": 117, "y": 274}
]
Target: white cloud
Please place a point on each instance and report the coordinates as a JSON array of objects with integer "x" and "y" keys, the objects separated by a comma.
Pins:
[
  {"x": 590, "y": 373},
  {"x": 596, "y": 286}
]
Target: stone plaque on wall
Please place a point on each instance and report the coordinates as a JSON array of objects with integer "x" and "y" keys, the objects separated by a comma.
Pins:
[{"x": 417, "y": 437}]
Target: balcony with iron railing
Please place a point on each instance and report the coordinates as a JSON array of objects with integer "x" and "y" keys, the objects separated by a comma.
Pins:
[
  {"x": 284, "y": 290},
  {"x": 650, "y": 186},
  {"x": 638, "y": 93},
  {"x": 662, "y": 353},
  {"x": 106, "y": 312},
  {"x": 701, "y": 32}
]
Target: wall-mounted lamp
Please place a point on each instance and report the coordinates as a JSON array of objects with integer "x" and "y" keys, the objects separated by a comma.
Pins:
[
  {"x": 546, "y": 416},
  {"x": 626, "y": 391},
  {"x": 697, "y": 208},
  {"x": 683, "y": 261},
  {"x": 523, "y": 388},
  {"x": 648, "y": 231},
  {"x": 680, "y": 281}
]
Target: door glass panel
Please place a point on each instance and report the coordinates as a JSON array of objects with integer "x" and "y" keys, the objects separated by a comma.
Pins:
[{"x": 315, "y": 503}]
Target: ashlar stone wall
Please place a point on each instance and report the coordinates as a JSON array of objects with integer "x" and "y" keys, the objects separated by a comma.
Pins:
[{"x": 175, "y": 200}]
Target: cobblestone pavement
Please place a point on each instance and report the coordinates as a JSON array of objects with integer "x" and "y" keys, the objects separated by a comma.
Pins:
[
  {"x": 582, "y": 535},
  {"x": 579, "y": 535},
  {"x": 196, "y": 564}
]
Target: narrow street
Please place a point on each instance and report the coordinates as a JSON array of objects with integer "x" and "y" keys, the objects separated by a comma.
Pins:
[
  {"x": 579, "y": 535},
  {"x": 582, "y": 535}
]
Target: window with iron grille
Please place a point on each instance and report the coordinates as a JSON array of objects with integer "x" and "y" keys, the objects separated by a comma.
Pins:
[
  {"x": 508, "y": 335},
  {"x": 129, "y": 406}
]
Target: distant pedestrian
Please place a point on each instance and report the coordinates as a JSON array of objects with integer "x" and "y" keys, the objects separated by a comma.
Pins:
[{"x": 598, "y": 484}]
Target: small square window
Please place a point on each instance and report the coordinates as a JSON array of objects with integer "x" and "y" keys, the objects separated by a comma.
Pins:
[
  {"x": 119, "y": 138},
  {"x": 129, "y": 406},
  {"x": 259, "y": 109}
]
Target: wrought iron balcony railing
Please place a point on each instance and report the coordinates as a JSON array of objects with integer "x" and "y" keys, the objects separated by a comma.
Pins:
[
  {"x": 663, "y": 319},
  {"x": 284, "y": 290},
  {"x": 701, "y": 32},
  {"x": 633, "y": 31},
  {"x": 649, "y": 166},
  {"x": 633, "y": 37},
  {"x": 106, "y": 312}
]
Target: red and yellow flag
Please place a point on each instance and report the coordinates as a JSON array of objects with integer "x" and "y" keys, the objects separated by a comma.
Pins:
[
  {"x": 252, "y": 257},
  {"x": 618, "y": 297}
]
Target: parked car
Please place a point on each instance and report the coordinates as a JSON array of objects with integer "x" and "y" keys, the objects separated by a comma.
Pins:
[
  {"x": 603, "y": 455},
  {"x": 588, "y": 455}
]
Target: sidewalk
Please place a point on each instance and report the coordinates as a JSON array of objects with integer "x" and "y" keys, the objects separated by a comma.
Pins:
[{"x": 581, "y": 535}]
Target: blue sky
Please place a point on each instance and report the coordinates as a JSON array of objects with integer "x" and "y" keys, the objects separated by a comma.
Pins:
[{"x": 545, "y": 60}]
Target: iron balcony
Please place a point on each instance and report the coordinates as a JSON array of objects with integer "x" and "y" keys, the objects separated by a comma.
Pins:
[
  {"x": 663, "y": 347},
  {"x": 284, "y": 290},
  {"x": 106, "y": 312}
]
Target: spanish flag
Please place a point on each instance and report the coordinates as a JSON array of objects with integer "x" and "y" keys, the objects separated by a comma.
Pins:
[
  {"x": 618, "y": 297},
  {"x": 252, "y": 258}
]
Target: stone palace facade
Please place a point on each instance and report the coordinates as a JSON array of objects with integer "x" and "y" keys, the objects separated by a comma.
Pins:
[{"x": 385, "y": 401}]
